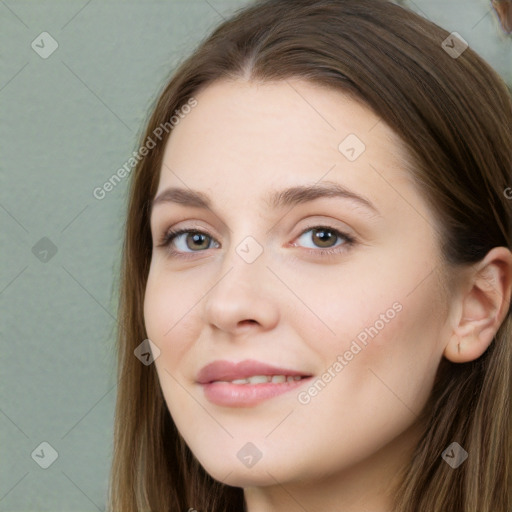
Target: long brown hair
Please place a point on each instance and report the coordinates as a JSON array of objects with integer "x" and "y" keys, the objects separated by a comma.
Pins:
[{"x": 454, "y": 114}]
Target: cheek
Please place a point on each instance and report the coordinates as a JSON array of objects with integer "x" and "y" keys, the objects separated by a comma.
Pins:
[
  {"x": 379, "y": 388},
  {"x": 157, "y": 308},
  {"x": 170, "y": 324},
  {"x": 386, "y": 337},
  {"x": 398, "y": 346},
  {"x": 388, "y": 302},
  {"x": 168, "y": 315}
]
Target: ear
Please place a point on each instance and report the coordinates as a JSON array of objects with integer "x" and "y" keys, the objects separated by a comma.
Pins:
[{"x": 483, "y": 306}]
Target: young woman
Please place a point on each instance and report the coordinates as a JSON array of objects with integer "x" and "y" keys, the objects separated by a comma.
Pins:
[{"x": 318, "y": 249}]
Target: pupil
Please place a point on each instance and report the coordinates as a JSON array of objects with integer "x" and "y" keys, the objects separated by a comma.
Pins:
[
  {"x": 323, "y": 235},
  {"x": 196, "y": 237}
]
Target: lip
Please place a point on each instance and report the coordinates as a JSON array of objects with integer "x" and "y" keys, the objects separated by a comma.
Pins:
[
  {"x": 244, "y": 395},
  {"x": 227, "y": 370}
]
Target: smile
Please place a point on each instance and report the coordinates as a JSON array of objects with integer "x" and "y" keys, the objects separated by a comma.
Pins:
[
  {"x": 264, "y": 379},
  {"x": 246, "y": 383}
]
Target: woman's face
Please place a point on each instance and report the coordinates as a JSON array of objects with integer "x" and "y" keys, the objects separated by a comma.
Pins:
[{"x": 363, "y": 325}]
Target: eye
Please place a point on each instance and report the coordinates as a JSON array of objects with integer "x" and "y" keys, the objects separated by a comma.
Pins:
[
  {"x": 195, "y": 240},
  {"x": 326, "y": 238},
  {"x": 183, "y": 242}
]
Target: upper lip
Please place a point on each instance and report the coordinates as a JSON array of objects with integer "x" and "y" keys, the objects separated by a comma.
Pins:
[{"x": 227, "y": 371}]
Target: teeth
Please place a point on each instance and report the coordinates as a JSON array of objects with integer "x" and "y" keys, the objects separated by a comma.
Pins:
[
  {"x": 259, "y": 379},
  {"x": 264, "y": 379}
]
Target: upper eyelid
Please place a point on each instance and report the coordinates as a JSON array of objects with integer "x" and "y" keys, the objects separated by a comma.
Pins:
[
  {"x": 357, "y": 209},
  {"x": 195, "y": 226}
]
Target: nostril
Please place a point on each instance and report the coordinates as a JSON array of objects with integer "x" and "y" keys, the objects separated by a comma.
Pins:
[{"x": 243, "y": 322}]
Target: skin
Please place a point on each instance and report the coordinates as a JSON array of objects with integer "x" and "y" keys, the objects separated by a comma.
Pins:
[{"x": 293, "y": 308}]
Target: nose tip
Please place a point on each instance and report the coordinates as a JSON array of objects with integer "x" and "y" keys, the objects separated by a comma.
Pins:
[{"x": 238, "y": 302}]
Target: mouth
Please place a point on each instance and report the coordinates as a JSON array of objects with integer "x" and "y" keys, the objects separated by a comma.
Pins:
[
  {"x": 264, "y": 379},
  {"x": 247, "y": 383}
]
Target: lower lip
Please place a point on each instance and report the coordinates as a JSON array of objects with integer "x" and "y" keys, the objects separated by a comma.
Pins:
[{"x": 246, "y": 395}]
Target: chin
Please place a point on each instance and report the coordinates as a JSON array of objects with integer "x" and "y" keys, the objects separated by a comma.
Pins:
[
  {"x": 234, "y": 473},
  {"x": 244, "y": 477}
]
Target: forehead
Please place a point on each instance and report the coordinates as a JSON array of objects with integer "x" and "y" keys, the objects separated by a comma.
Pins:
[{"x": 250, "y": 136}]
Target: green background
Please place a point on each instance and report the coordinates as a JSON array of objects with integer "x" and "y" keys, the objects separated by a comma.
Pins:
[{"x": 68, "y": 122}]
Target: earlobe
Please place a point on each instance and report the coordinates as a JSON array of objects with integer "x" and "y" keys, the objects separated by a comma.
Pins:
[
  {"x": 471, "y": 341},
  {"x": 483, "y": 308}
]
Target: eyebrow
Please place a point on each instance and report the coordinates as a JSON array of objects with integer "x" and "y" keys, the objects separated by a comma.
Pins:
[{"x": 277, "y": 199}]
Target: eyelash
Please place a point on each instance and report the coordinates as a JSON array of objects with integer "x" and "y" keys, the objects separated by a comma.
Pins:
[{"x": 169, "y": 236}]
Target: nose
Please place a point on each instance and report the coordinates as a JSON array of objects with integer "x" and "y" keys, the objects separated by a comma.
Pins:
[{"x": 242, "y": 295}]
